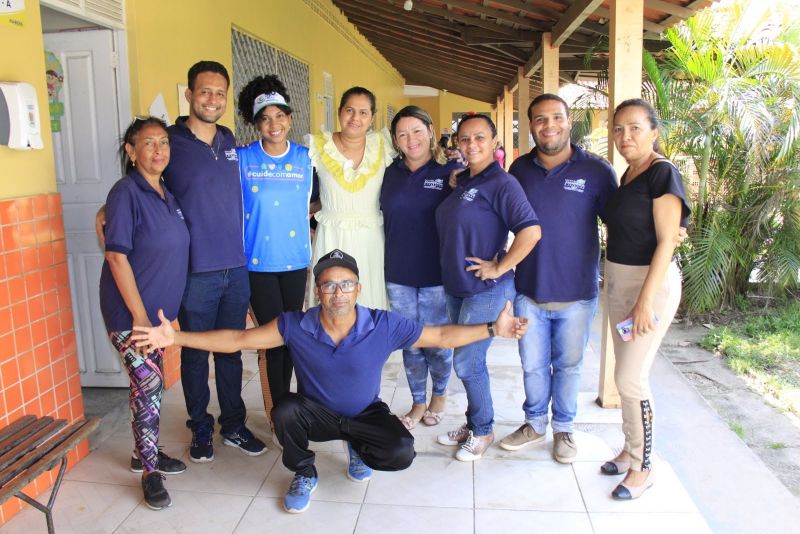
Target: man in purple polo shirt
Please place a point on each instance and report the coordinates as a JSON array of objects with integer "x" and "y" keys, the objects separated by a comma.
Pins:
[
  {"x": 203, "y": 174},
  {"x": 557, "y": 282},
  {"x": 338, "y": 349}
]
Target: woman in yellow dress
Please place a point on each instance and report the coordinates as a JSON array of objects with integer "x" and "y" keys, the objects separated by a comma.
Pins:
[{"x": 350, "y": 165}]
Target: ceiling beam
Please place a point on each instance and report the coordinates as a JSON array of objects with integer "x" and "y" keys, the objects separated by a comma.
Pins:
[
  {"x": 551, "y": 14},
  {"x": 672, "y": 9},
  {"x": 648, "y": 25},
  {"x": 572, "y": 19},
  {"x": 694, "y": 6},
  {"x": 498, "y": 14},
  {"x": 478, "y": 36},
  {"x": 464, "y": 19}
]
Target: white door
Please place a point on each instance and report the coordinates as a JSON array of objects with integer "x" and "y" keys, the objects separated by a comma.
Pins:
[{"x": 86, "y": 168}]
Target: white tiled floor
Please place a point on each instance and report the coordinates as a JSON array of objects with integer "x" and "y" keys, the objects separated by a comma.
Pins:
[{"x": 523, "y": 491}]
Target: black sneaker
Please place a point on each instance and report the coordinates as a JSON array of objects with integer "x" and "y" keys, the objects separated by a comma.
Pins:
[
  {"x": 245, "y": 441},
  {"x": 202, "y": 448},
  {"x": 166, "y": 464},
  {"x": 155, "y": 494}
]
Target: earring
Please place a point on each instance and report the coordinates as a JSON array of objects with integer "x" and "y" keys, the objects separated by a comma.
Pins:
[{"x": 133, "y": 162}]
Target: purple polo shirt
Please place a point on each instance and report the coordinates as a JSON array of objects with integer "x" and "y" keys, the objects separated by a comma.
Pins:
[
  {"x": 205, "y": 180},
  {"x": 409, "y": 201},
  {"x": 344, "y": 378},
  {"x": 563, "y": 267},
  {"x": 152, "y": 233},
  {"x": 474, "y": 221}
]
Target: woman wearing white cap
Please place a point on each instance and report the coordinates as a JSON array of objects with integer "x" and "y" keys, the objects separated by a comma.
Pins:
[
  {"x": 350, "y": 165},
  {"x": 277, "y": 187}
]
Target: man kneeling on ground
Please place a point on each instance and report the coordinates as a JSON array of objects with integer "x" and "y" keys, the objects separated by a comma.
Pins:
[{"x": 338, "y": 349}]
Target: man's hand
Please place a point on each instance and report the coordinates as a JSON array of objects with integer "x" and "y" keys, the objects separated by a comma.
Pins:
[
  {"x": 100, "y": 224},
  {"x": 154, "y": 337},
  {"x": 509, "y": 326}
]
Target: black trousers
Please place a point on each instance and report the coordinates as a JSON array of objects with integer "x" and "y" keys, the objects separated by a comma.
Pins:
[
  {"x": 376, "y": 434},
  {"x": 270, "y": 295}
]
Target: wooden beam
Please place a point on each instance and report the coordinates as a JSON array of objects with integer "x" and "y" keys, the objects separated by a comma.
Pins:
[
  {"x": 694, "y": 6},
  {"x": 542, "y": 11},
  {"x": 646, "y": 24},
  {"x": 517, "y": 56},
  {"x": 464, "y": 19},
  {"x": 479, "y": 36},
  {"x": 523, "y": 100},
  {"x": 442, "y": 63},
  {"x": 550, "y": 66},
  {"x": 508, "y": 125},
  {"x": 498, "y": 14},
  {"x": 672, "y": 9},
  {"x": 572, "y": 19}
]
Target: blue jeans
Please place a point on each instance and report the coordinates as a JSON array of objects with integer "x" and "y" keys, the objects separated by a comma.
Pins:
[
  {"x": 428, "y": 306},
  {"x": 469, "y": 361},
  {"x": 212, "y": 301},
  {"x": 552, "y": 354}
]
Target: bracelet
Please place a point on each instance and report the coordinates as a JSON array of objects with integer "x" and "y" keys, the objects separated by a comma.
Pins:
[{"x": 490, "y": 328}]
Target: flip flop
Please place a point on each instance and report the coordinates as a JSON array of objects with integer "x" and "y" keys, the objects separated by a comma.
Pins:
[{"x": 430, "y": 418}]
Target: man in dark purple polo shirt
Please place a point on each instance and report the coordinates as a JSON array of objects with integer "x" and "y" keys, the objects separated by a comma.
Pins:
[
  {"x": 338, "y": 349},
  {"x": 203, "y": 174},
  {"x": 557, "y": 282}
]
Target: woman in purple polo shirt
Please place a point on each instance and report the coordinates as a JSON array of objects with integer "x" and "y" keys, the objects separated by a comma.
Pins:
[
  {"x": 413, "y": 187},
  {"x": 473, "y": 224},
  {"x": 147, "y": 258}
]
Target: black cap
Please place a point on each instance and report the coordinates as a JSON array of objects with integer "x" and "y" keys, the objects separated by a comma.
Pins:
[{"x": 335, "y": 258}]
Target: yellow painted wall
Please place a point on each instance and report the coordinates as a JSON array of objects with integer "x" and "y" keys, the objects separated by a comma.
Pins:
[
  {"x": 166, "y": 38},
  {"x": 442, "y": 107},
  {"x": 26, "y": 172}
]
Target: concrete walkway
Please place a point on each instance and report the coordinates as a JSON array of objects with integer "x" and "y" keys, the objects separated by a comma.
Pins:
[{"x": 707, "y": 478}]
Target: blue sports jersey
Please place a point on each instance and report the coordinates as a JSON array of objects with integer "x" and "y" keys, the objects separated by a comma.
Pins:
[{"x": 275, "y": 194}]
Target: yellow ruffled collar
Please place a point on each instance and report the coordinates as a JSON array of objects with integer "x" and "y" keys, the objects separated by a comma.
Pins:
[{"x": 371, "y": 165}]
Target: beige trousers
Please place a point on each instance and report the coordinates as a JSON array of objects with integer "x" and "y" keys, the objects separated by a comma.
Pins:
[{"x": 634, "y": 358}]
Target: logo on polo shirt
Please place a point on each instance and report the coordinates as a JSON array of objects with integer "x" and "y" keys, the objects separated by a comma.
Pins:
[
  {"x": 180, "y": 213},
  {"x": 437, "y": 184},
  {"x": 469, "y": 195},
  {"x": 575, "y": 185},
  {"x": 231, "y": 155}
]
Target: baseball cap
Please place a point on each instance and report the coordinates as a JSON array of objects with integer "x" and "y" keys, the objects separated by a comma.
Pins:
[{"x": 335, "y": 258}]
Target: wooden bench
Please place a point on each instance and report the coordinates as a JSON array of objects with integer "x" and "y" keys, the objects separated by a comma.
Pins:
[{"x": 32, "y": 445}]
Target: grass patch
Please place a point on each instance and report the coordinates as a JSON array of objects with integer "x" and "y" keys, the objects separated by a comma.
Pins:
[
  {"x": 776, "y": 446},
  {"x": 737, "y": 428},
  {"x": 765, "y": 346}
]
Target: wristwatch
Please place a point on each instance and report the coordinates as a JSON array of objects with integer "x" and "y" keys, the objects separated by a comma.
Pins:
[{"x": 490, "y": 328}]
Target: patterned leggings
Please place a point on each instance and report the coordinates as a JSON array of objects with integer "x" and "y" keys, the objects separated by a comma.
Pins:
[{"x": 147, "y": 385}]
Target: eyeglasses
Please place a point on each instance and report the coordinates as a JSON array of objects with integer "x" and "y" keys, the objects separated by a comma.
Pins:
[{"x": 329, "y": 288}]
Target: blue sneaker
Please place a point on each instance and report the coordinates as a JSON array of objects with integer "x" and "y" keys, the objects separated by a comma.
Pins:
[
  {"x": 245, "y": 441},
  {"x": 298, "y": 498},
  {"x": 357, "y": 470}
]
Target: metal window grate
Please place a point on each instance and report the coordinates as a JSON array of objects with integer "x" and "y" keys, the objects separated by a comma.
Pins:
[{"x": 251, "y": 58}]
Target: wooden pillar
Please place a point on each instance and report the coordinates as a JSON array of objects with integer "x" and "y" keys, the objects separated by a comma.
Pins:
[
  {"x": 624, "y": 81},
  {"x": 549, "y": 64},
  {"x": 498, "y": 121},
  {"x": 524, "y": 98},
  {"x": 508, "y": 125}
]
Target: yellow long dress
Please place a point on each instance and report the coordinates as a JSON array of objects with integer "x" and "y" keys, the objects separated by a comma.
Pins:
[{"x": 350, "y": 218}]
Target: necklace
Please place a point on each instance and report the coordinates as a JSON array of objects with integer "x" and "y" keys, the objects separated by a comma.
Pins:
[{"x": 214, "y": 152}]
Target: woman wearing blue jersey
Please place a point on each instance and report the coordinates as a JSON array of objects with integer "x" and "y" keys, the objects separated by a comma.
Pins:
[
  {"x": 473, "y": 224},
  {"x": 413, "y": 187},
  {"x": 277, "y": 183}
]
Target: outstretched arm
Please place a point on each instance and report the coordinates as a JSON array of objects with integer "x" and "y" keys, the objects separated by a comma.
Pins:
[
  {"x": 454, "y": 335},
  {"x": 154, "y": 337}
]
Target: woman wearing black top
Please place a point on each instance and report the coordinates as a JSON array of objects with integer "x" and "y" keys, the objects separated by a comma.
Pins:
[{"x": 644, "y": 285}]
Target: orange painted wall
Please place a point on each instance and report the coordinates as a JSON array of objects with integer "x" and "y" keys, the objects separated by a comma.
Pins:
[{"x": 38, "y": 355}]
